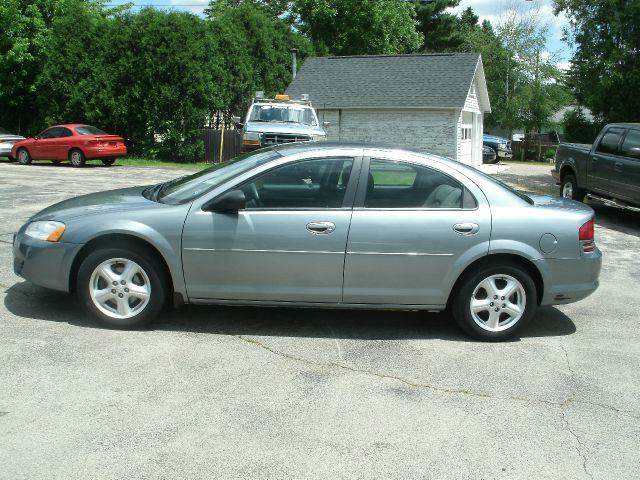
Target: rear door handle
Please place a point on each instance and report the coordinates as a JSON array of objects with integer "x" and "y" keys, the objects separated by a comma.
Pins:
[
  {"x": 618, "y": 166},
  {"x": 466, "y": 228},
  {"x": 321, "y": 228}
]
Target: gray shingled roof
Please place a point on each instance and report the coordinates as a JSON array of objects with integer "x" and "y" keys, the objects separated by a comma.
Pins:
[{"x": 436, "y": 80}]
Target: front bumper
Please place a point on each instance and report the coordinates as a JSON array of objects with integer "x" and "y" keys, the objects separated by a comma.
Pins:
[
  {"x": 504, "y": 153},
  {"x": 47, "y": 264},
  {"x": 570, "y": 280},
  {"x": 555, "y": 175}
]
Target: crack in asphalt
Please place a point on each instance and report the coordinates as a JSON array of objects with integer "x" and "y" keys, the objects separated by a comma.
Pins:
[
  {"x": 410, "y": 383},
  {"x": 561, "y": 405},
  {"x": 563, "y": 412},
  {"x": 360, "y": 370}
]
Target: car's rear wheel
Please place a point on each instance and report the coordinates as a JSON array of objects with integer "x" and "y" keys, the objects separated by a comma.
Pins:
[
  {"x": 121, "y": 288},
  {"x": 569, "y": 188},
  {"x": 108, "y": 161},
  {"x": 495, "y": 302},
  {"x": 24, "y": 158},
  {"x": 76, "y": 157},
  {"x": 56, "y": 162}
]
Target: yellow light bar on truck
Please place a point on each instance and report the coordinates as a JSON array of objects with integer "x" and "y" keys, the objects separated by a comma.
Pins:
[{"x": 282, "y": 98}]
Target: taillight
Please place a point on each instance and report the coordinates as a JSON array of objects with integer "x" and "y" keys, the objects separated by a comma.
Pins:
[{"x": 586, "y": 237}]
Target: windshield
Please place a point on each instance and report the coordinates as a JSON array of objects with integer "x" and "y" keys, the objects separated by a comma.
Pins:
[
  {"x": 186, "y": 189},
  {"x": 89, "y": 130},
  {"x": 283, "y": 113}
]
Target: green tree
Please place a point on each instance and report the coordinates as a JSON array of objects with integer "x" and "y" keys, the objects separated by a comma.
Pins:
[
  {"x": 23, "y": 38},
  {"x": 441, "y": 31},
  {"x": 358, "y": 27},
  {"x": 605, "y": 69},
  {"x": 525, "y": 86},
  {"x": 257, "y": 50}
]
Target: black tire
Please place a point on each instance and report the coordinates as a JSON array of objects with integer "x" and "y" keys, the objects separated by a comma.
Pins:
[
  {"x": 24, "y": 157},
  {"x": 569, "y": 188},
  {"x": 470, "y": 285},
  {"x": 76, "y": 157},
  {"x": 157, "y": 286},
  {"x": 107, "y": 162},
  {"x": 56, "y": 162}
]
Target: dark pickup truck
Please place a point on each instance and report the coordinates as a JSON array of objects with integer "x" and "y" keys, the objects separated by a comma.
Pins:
[{"x": 608, "y": 170}]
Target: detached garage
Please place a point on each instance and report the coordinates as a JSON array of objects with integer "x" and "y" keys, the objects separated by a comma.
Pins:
[{"x": 435, "y": 103}]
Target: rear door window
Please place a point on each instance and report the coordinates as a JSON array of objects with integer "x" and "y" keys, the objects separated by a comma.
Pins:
[
  {"x": 631, "y": 145},
  {"x": 401, "y": 185},
  {"x": 610, "y": 141}
]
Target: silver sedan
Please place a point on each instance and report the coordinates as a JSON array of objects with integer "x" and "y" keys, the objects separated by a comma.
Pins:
[{"x": 318, "y": 225}]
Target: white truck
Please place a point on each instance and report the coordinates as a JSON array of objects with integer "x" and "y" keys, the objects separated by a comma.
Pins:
[{"x": 280, "y": 120}]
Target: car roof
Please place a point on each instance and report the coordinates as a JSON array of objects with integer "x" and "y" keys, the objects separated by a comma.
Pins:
[{"x": 70, "y": 125}]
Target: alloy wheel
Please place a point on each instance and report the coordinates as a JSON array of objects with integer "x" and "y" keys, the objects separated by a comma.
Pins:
[
  {"x": 498, "y": 302},
  {"x": 120, "y": 288}
]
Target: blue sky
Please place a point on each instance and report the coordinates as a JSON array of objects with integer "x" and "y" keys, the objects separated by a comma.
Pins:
[{"x": 492, "y": 10}]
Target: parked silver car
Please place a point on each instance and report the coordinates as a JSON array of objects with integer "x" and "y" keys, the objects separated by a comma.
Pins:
[
  {"x": 7, "y": 140},
  {"x": 321, "y": 225}
]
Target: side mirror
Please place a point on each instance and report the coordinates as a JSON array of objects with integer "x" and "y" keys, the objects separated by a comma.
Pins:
[
  {"x": 326, "y": 124},
  {"x": 37, "y": 137},
  {"x": 231, "y": 201},
  {"x": 239, "y": 125},
  {"x": 235, "y": 119}
]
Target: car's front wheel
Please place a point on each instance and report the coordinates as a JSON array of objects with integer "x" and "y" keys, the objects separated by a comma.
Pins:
[
  {"x": 24, "y": 158},
  {"x": 107, "y": 162},
  {"x": 494, "y": 302},
  {"x": 121, "y": 288}
]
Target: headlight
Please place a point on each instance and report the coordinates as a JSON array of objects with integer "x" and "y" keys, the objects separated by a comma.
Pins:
[
  {"x": 251, "y": 138},
  {"x": 49, "y": 231},
  {"x": 318, "y": 138},
  {"x": 503, "y": 146}
]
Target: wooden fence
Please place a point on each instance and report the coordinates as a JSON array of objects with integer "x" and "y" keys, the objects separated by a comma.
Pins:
[{"x": 230, "y": 147}]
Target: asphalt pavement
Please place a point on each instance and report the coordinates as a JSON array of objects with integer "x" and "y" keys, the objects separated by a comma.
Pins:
[{"x": 274, "y": 393}]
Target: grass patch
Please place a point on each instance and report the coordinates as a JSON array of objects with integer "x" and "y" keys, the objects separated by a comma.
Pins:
[
  {"x": 149, "y": 162},
  {"x": 526, "y": 162}
]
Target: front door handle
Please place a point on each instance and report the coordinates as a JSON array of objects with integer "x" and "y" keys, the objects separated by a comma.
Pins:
[
  {"x": 466, "y": 228},
  {"x": 321, "y": 228},
  {"x": 618, "y": 167}
]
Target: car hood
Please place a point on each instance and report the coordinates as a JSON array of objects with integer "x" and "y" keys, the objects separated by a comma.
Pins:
[
  {"x": 494, "y": 139},
  {"x": 97, "y": 203},
  {"x": 281, "y": 127}
]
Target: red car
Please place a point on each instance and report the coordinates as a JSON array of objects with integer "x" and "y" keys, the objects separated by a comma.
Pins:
[{"x": 73, "y": 142}]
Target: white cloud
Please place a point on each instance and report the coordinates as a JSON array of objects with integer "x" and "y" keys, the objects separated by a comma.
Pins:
[{"x": 495, "y": 10}]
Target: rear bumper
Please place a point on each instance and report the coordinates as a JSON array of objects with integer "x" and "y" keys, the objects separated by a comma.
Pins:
[
  {"x": 104, "y": 151},
  {"x": 570, "y": 280},
  {"x": 46, "y": 264}
]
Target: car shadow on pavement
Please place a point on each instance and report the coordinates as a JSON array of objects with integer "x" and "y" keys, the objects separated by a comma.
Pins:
[{"x": 31, "y": 302}]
